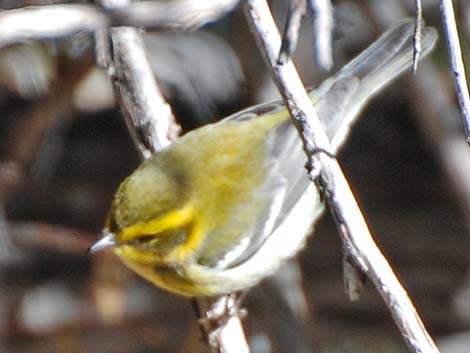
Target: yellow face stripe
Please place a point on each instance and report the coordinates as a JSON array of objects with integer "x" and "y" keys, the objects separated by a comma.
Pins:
[
  {"x": 188, "y": 248},
  {"x": 175, "y": 219},
  {"x": 130, "y": 254}
]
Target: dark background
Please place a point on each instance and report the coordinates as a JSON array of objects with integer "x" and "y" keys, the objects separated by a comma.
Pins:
[{"x": 64, "y": 149}]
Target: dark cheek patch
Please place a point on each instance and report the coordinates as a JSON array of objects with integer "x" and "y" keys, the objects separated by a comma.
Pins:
[{"x": 162, "y": 243}]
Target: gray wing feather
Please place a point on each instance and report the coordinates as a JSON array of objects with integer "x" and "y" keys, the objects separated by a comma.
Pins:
[
  {"x": 339, "y": 100},
  {"x": 375, "y": 67}
]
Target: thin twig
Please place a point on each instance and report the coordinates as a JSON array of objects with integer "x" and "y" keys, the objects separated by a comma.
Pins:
[
  {"x": 295, "y": 12},
  {"x": 221, "y": 325},
  {"x": 152, "y": 125},
  {"x": 418, "y": 34},
  {"x": 456, "y": 62},
  {"x": 322, "y": 30},
  {"x": 359, "y": 244}
]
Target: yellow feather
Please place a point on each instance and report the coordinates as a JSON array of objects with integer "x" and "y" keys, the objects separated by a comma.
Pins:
[{"x": 174, "y": 219}]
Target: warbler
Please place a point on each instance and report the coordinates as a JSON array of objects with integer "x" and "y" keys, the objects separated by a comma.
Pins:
[{"x": 225, "y": 205}]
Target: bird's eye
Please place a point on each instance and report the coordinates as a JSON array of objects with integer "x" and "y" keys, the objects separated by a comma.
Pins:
[
  {"x": 144, "y": 239},
  {"x": 162, "y": 242}
]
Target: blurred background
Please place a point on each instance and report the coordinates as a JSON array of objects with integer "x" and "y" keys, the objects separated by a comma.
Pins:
[{"x": 64, "y": 149}]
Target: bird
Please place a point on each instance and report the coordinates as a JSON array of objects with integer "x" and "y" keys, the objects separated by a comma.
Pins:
[{"x": 225, "y": 205}]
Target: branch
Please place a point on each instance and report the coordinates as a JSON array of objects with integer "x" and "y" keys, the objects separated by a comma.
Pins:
[
  {"x": 174, "y": 15},
  {"x": 46, "y": 22},
  {"x": 322, "y": 19},
  {"x": 220, "y": 324},
  {"x": 456, "y": 63},
  {"x": 295, "y": 12},
  {"x": 418, "y": 34},
  {"x": 327, "y": 175},
  {"x": 54, "y": 21},
  {"x": 322, "y": 31},
  {"x": 138, "y": 94}
]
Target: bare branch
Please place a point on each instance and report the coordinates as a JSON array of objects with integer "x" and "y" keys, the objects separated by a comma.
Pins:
[
  {"x": 171, "y": 15},
  {"x": 220, "y": 324},
  {"x": 149, "y": 117},
  {"x": 295, "y": 13},
  {"x": 456, "y": 62},
  {"x": 322, "y": 31},
  {"x": 359, "y": 244},
  {"x": 55, "y": 21},
  {"x": 45, "y": 22},
  {"x": 418, "y": 34}
]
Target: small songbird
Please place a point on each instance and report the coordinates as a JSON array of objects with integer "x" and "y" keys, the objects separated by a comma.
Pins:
[{"x": 225, "y": 205}]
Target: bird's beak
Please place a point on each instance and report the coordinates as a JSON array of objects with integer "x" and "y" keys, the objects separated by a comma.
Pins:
[{"x": 108, "y": 240}]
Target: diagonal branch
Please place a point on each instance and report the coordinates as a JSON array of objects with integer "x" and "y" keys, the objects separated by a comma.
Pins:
[
  {"x": 327, "y": 175},
  {"x": 148, "y": 117}
]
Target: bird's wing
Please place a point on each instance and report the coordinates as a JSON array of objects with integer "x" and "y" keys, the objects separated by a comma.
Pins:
[{"x": 338, "y": 102}]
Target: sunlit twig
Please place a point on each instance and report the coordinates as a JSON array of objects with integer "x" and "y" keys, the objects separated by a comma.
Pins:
[
  {"x": 418, "y": 34},
  {"x": 322, "y": 31},
  {"x": 456, "y": 63}
]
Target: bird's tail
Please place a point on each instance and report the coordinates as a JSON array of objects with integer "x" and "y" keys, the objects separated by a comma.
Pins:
[{"x": 341, "y": 97}]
